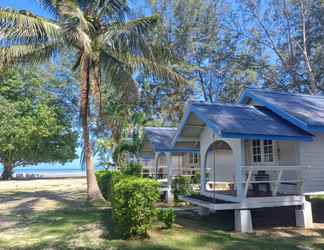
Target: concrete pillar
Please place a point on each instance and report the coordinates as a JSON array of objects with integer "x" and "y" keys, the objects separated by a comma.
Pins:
[
  {"x": 156, "y": 163},
  {"x": 243, "y": 221},
  {"x": 304, "y": 216},
  {"x": 203, "y": 211},
  {"x": 169, "y": 194},
  {"x": 169, "y": 197}
]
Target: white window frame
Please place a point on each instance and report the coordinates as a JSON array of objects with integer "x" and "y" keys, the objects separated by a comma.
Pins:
[
  {"x": 194, "y": 158},
  {"x": 263, "y": 162}
]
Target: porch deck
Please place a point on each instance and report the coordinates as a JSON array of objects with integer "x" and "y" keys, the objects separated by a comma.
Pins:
[{"x": 247, "y": 203}]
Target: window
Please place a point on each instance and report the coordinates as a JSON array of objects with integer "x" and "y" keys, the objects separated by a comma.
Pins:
[
  {"x": 262, "y": 151},
  {"x": 256, "y": 150},
  {"x": 267, "y": 151},
  {"x": 162, "y": 161},
  {"x": 194, "y": 158}
]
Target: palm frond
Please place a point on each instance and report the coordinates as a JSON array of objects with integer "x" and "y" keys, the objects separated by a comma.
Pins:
[
  {"x": 27, "y": 54},
  {"x": 16, "y": 25},
  {"x": 119, "y": 31},
  {"x": 50, "y": 5},
  {"x": 108, "y": 10},
  {"x": 149, "y": 67},
  {"x": 119, "y": 77}
]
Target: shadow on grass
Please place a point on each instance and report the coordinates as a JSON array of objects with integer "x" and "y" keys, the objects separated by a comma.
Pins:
[{"x": 75, "y": 219}]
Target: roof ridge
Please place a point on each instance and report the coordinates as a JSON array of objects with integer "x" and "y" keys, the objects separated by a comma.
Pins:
[
  {"x": 223, "y": 104},
  {"x": 284, "y": 93},
  {"x": 160, "y": 127}
]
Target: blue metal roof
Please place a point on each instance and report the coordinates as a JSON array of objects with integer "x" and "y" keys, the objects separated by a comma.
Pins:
[
  {"x": 242, "y": 121},
  {"x": 161, "y": 138},
  {"x": 305, "y": 111}
]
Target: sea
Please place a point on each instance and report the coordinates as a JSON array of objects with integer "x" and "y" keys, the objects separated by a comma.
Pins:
[{"x": 47, "y": 170}]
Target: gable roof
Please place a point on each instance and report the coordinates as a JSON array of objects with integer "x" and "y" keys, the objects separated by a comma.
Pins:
[
  {"x": 242, "y": 121},
  {"x": 160, "y": 139},
  {"x": 304, "y": 111}
]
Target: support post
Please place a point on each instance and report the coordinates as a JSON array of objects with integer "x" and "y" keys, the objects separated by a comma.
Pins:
[
  {"x": 243, "y": 221},
  {"x": 156, "y": 163},
  {"x": 240, "y": 161},
  {"x": 277, "y": 183},
  {"x": 169, "y": 194},
  {"x": 203, "y": 211},
  {"x": 304, "y": 216}
]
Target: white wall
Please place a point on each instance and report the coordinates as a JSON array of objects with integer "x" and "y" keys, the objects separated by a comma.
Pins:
[
  {"x": 312, "y": 153},
  {"x": 222, "y": 161},
  {"x": 207, "y": 137}
]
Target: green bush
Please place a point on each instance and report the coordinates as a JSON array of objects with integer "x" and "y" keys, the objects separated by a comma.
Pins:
[
  {"x": 133, "y": 205},
  {"x": 181, "y": 185},
  {"x": 132, "y": 169},
  {"x": 196, "y": 178},
  {"x": 105, "y": 181},
  {"x": 167, "y": 216}
]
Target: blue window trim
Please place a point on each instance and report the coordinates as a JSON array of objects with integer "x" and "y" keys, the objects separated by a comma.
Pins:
[{"x": 284, "y": 115}]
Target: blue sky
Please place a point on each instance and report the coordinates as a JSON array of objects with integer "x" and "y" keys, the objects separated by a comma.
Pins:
[{"x": 31, "y": 5}]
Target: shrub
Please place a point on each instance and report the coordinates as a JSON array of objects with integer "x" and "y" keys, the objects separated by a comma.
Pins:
[
  {"x": 133, "y": 205},
  {"x": 105, "y": 180},
  {"x": 196, "y": 178},
  {"x": 167, "y": 216},
  {"x": 132, "y": 169},
  {"x": 181, "y": 185}
]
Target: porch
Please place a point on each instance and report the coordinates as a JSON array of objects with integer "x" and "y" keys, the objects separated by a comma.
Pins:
[{"x": 237, "y": 169}]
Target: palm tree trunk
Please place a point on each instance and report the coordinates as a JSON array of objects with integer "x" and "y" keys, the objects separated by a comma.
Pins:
[
  {"x": 93, "y": 190},
  {"x": 96, "y": 88},
  {"x": 7, "y": 171}
]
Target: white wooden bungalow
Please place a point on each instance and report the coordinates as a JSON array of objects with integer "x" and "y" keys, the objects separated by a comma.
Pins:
[
  {"x": 266, "y": 151},
  {"x": 162, "y": 162}
]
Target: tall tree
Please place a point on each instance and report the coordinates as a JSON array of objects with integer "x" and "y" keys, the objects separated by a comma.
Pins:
[
  {"x": 35, "y": 125},
  {"x": 290, "y": 35},
  {"x": 109, "y": 49},
  {"x": 215, "y": 60}
]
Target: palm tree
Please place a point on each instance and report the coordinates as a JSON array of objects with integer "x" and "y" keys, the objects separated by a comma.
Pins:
[{"x": 109, "y": 47}]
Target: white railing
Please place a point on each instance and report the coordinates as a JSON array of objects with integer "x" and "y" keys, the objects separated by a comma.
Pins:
[{"x": 275, "y": 174}]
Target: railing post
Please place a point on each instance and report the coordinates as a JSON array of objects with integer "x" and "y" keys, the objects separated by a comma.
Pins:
[
  {"x": 247, "y": 183},
  {"x": 277, "y": 184}
]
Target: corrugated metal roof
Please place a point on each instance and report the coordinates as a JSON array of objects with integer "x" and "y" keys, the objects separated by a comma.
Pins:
[
  {"x": 305, "y": 111},
  {"x": 242, "y": 121},
  {"x": 160, "y": 138}
]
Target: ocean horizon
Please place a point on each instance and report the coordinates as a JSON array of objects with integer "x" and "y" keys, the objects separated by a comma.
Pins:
[{"x": 53, "y": 170}]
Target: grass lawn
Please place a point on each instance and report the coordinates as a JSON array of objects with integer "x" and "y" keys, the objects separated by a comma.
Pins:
[{"x": 53, "y": 214}]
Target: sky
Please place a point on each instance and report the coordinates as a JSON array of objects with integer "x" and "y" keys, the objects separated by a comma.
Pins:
[
  {"x": 34, "y": 6},
  {"x": 31, "y": 5}
]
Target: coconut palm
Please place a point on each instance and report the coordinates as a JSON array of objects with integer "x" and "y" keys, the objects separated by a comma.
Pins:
[{"x": 109, "y": 47}]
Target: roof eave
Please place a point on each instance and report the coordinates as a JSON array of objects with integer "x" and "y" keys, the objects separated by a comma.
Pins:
[{"x": 267, "y": 137}]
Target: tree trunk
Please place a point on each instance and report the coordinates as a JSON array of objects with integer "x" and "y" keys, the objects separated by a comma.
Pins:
[
  {"x": 96, "y": 88},
  {"x": 7, "y": 171},
  {"x": 93, "y": 190}
]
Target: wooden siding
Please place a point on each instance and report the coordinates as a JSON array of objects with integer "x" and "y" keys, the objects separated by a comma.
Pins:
[{"x": 312, "y": 153}]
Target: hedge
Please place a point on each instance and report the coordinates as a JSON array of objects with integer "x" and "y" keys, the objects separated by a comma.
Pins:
[
  {"x": 167, "y": 216},
  {"x": 132, "y": 169},
  {"x": 181, "y": 185},
  {"x": 133, "y": 206},
  {"x": 105, "y": 181}
]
